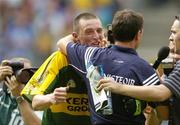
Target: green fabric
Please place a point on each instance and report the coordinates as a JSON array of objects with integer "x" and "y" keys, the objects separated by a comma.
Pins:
[{"x": 67, "y": 76}]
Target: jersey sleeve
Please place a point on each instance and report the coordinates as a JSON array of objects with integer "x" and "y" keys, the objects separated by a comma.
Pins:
[
  {"x": 146, "y": 74},
  {"x": 78, "y": 55},
  {"x": 44, "y": 76}
]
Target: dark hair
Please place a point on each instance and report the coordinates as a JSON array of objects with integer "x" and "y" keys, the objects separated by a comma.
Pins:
[
  {"x": 177, "y": 17},
  {"x": 85, "y": 16},
  {"x": 126, "y": 24}
]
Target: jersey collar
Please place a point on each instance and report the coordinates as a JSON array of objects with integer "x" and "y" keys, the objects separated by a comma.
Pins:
[{"x": 123, "y": 49}]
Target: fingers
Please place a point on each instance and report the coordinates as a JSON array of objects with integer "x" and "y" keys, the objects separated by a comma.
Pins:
[
  {"x": 104, "y": 80},
  {"x": 176, "y": 56},
  {"x": 12, "y": 82},
  {"x": 103, "y": 43},
  {"x": 148, "y": 110},
  {"x": 13, "y": 85},
  {"x": 5, "y": 71},
  {"x": 7, "y": 84},
  {"x": 101, "y": 86},
  {"x": 105, "y": 86},
  {"x": 60, "y": 91},
  {"x": 104, "y": 83},
  {"x": 60, "y": 95}
]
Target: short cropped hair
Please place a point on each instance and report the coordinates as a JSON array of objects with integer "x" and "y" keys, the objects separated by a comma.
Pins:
[
  {"x": 126, "y": 24},
  {"x": 85, "y": 16}
]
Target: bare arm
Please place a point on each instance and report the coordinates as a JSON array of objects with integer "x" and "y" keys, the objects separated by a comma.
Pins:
[
  {"x": 148, "y": 93},
  {"x": 25, "y": 109},
  {"x": 28, "y": 114},
  {"x": 41, "y": 102},
  {"x": 62, "y": 43}
]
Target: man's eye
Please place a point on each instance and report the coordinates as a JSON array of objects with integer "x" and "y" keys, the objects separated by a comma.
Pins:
[
  {"x": 89, "y": 31},
  {"x": 99, "y": 30}
]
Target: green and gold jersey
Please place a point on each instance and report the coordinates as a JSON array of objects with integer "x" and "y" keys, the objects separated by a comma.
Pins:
[{"x": 55, "y": 72}]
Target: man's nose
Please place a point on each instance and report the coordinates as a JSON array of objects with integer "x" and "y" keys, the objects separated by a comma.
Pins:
[
  {"x": 170, "y": 38},
  {"x": 96, "y": 35}
]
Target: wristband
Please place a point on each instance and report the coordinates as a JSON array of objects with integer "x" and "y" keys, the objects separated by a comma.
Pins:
[{"x": 19, "y": 99}]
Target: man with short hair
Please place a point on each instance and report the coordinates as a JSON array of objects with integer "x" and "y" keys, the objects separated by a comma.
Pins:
[
  {"x": 170, "y": 87},
  {"x": 57, "y": 87},
  {"x": 119, "y": 61}
]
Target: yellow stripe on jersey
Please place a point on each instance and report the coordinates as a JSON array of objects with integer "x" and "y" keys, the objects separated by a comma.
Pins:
[{"x": 44, "y": 75}]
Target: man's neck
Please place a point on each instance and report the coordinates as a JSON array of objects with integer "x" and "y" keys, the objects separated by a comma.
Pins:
[{"x": 126, "y": 44}]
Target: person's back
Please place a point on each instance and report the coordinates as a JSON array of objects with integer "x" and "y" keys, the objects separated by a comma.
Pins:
[
  {"x": 169, "y": 87},
  {"x": 119, "y": 61},
  {"x": 124, "y": 65}
]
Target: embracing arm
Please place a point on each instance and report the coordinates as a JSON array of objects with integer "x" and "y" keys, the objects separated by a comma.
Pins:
[
  {"x": 148, "y": 93},
  {"x": 62, "y": 43}
]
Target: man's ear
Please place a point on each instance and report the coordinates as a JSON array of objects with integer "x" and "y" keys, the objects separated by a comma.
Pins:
[
  {"x": 75, "y": 36},
  {"x": 139, "y": 35}
]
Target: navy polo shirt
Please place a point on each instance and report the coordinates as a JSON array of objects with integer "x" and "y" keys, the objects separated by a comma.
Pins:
[{"x": 122, "y": 64}]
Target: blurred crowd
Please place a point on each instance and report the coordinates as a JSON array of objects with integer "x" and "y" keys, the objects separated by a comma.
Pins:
[{"x": 31, "y": 28}]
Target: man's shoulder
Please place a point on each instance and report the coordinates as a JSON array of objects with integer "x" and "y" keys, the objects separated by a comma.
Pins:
[
  {"x": 57, "y": 59},
  {"x": 141, "y": 62},
  {"x": 58, "y": 54}
]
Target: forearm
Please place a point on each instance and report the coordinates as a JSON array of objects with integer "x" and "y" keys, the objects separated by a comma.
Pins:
[
  {"x": 148, "y": 93},
  {"x": 28, "y": 114},
  {"x": 41, "y": 102},
  {"x": 62, "y": 43}
]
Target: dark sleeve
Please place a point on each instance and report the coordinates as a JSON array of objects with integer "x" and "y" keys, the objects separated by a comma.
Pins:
[
  {"x": 78, "y": 55},
  {"x": 145, "y": 73}
]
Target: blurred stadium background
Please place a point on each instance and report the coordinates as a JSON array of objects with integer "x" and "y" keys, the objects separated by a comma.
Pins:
[{"x": 31, "y": 28}]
